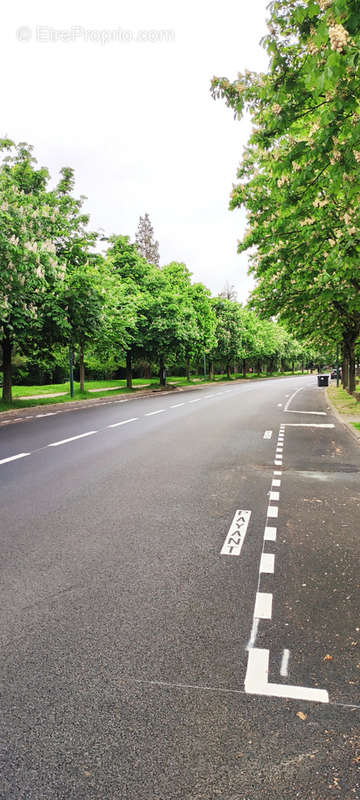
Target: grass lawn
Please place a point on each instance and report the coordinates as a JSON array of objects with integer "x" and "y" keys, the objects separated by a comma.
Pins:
[
  {"x": 356, "y": 425},
  {"x": 119, "y": 387},
  {"x": 344, "y": 403}
]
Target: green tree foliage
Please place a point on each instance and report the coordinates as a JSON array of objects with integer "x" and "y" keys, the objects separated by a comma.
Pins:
[
  {"x": 299, "y": 177},
  {"x": 146, "y": 245}
]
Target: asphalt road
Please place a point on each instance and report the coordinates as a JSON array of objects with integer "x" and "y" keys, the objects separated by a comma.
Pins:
[{"x": 150, "y": 651}]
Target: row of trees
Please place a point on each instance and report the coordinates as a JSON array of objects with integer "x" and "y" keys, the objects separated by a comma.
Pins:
[
  {"x": 57, "y": 292},
  {"x": 299, "y": 178}
]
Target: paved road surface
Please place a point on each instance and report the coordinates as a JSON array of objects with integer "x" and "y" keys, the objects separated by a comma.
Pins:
[{"x": 180, "y": 598}]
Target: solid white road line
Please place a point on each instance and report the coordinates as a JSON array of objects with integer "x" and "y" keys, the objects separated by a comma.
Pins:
[
  {"x": 270, "y": 534},
  {"x": 124, "y": 422},
  {"x": 196, "y": 401},
  {"x": 14, "y": 458},
  {"x": 151, "y": 413},
  {"x": 72, "y": 439},
  {"x": 263, "y": 605},
  {"x": 267, "y": 434},
  {"x": 177, "y": 405},
  {"x": 308, "y": 425},
  {"x": 267, "y": 563},
  {"x": 256, "y": 681},
  {"x": 318, "y": 413},
  {"x": 284, "y": 668},
  {"x": 292, "y": 397},
  {"x": 272, "y": 511},
  {"x": 236, "y": 535}
]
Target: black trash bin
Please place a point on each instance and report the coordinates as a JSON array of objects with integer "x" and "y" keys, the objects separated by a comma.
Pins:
[{"x": 323, "y": 380}]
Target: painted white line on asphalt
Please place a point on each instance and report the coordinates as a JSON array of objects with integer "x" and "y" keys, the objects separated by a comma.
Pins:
[
  {"x": 49, "y": 414},
  {"x": 121, "y": 401},
  {"x": 253, "y": 634},
  {"x": 284, "y": 668},
  {"x": 318, "y": 413},
  {"x": 14, "y": 458},
  {"x": 267, "y": 434},
  {"x": 196, "y": 401},
  {"x": 292, "y": 397},
  {"x": 309, "y": 425},
  {"x": 275, "y": 482},
  {"x": 270, "y": 534},
  {"x": 177, "y": 405},
  {"x": 151, "y": 413},
  {"x": 208, "y": 395},
  {"x": 274, "y": 496},
  {"x": 272, "y": 511},
  {"x": 277, "y": 472},
  {"x": 263, "y": 605},
  {"x": 256, "y": 681},
  {"x": 124, "y": 422},
  {"x": 267, "y": 563},
  {"x": 278, "y": 463},
  {"x": 72, "y": 439},
  {"x": 236, "y": 535},
  {"x": 279, "y": 448},
  {"x": 279, "y": 405}
]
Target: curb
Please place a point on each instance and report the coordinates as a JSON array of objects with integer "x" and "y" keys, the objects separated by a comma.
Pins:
[{"x": 353, "y": 431}]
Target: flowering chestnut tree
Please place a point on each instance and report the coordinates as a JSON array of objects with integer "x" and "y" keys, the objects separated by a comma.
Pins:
[{"x": 299, "y": 178}]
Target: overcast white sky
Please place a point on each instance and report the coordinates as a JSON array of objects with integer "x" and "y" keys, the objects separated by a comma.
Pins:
[{"x": 136, "y": 120}]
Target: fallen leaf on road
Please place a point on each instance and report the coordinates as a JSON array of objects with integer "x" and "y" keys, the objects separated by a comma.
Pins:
[
  {"x": 328, "y": 657},
  {"x": 301, "y": 715}
]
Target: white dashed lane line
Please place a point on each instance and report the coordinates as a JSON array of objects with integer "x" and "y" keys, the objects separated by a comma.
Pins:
[
  {"x": 14, "y": 458},
  {"x": 72, "y": 439},
  {"x": 152, "y": 413},
  {"x": 124, "y": 422},
  {"x": 177, "y": 405}
]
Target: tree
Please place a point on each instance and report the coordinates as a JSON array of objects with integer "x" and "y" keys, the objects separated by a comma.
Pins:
[
  {"x": 144, "y": 238},
  {"x": 299, "y": 177},
  {"x": 30, "y": 271},
  {"x": 229, "y": 291}
]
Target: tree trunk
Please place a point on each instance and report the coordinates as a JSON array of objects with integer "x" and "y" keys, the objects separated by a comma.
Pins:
[
  {"x": 244, "y": 365},
  {"x": 259, "y": 367},
  {"x": 293, "y": 367},
  {"x": 82, "y": 369},
  {"x": 7, "y": 380},
  {"x": 228, "y": 371},
  {"x": 188, "y": 369},
  {"x": 128, "y": 369},
  {"x": 211, "y": 371},
  {"x": 349, "y": 349},
  {"x": 162, "y": 372}
]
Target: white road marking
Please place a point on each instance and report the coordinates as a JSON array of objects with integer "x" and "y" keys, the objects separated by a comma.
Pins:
[
  {"x": 196, "y": 401},
  {"x": 278, "y": 463},
  {"x": 256, "y": 681},
  {"x": 121, "y": 401},
  {"x": 267, "y": 563},
  {"x": 253, "y": 634},
  {"x": 208, "y": 395},
  {"x": 267, "y": 434},
  {"x": 263, "y": 605},
  {"x": 272, "y": 511},
  {"x": 292, "y": 397},
  {"x": 72, "y": 439},
  {"x": 151, "y": 413},
  {"x": 274, "y": 496},
  {"x": 49, "y": 414},
  {"x": 277, "y": 472},
  {"x": 124, "y": 422},
  {"x": 284, "y": 668},
  {"x": 275, "y": 482},
  {"x": 279, "y": 405},
  {"x": 309, "y": 425},
  {"x": 14, "y": 458},
  {"x": 236, "y": 535},
  {"x": 177, "y": 405},
  {"x": 318, "y": 413},
  {"x": 270, "y": 534}
]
